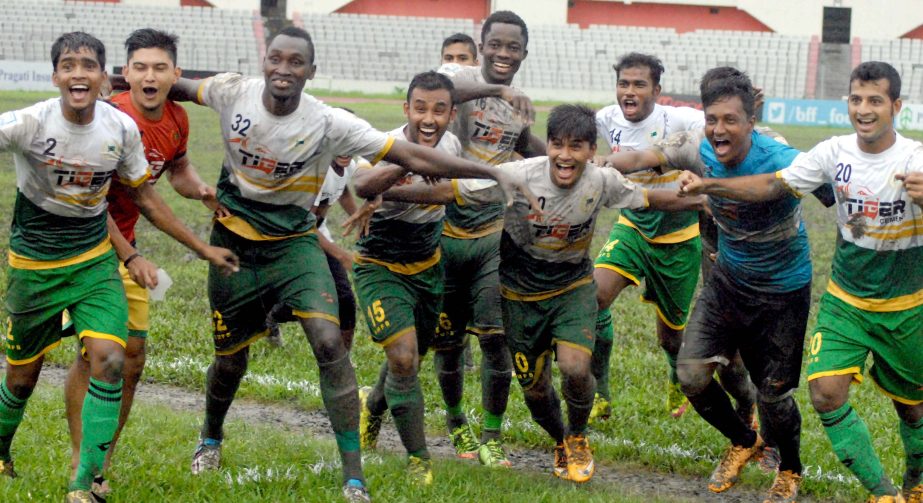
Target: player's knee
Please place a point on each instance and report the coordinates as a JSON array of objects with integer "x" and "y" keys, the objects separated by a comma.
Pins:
[
  {"x": 111, "y": 365},
  {"x": 693, "y": 378},
  {"x": 403, "y": 362},
  {"x": 231, "y": 366},
  {"x": 826, "y": 398},
  {"x": 574, "y": 367},
  {"x": 21, "y": 386},
  {"x": 134, "y": 366}
]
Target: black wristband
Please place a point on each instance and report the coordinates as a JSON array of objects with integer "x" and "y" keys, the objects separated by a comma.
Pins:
[{"x": 130, "y": 258}]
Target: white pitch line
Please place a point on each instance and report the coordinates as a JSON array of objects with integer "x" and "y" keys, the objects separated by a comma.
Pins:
[{"x": 672, "y": 451}]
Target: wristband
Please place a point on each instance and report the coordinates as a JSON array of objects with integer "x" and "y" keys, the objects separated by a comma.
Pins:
[{"x": 130, "y": 258}]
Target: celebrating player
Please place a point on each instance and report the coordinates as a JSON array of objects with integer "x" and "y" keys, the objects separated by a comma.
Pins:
[
  {"x": 279, "y": 143},
  {"x": 546, "y": 276},
  {"x": 66, "y": 151},
  {"x": 492, "y": 126},
  {"x": 151, "y": 71},
  {"x": 399, "y": 273},
  {"x": 879, "y": 194}
]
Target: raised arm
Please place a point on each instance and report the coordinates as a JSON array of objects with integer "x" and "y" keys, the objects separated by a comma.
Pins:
[
  {"x": 467, "y": 90},
  {"x": 422, "y": 193},
  {"x": 750, "y": 189},
  {"x": 371, "y": 182},
  {"x": 185, "y": 90},
  {"x": 158, "y": 213},
  {"x": 186, "y": 182},
  {"x": 630, "y": 161}
]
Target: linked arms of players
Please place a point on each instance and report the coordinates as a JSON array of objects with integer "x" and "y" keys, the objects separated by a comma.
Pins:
[{"x": 158, "y": 213}]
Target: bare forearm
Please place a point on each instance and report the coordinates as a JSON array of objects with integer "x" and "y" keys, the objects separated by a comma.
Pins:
[
  {"x": 184, "y": 90},
  {"x": 530, "y": 146},
  {"x": 123, "y": 248},
  {"x": 371, "y": 182},
  {"x": 186, "y": 181},
  {"x": 468, "y": 90},
  {"x": 751, "y": 189},
  {"x": 422, "y": 193},
  {"x": 668, "y": 200},
  {"x": 161, "y": 216},
  {"x": 633, "y": 160},
  {"x": 348, "y": 202}
]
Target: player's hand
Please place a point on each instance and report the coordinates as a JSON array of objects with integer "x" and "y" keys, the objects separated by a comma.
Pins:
[
  {"x": 602, "y": 161},
  {"x": 143, "y": 272},
  {"x": 510, "y": 187},
  {"x": 522, "y": 104},
  {"x": 690, "y": 184},
  {"x": 431, "y": 180},
  {"x": 362, "y": 218},
  {"x": 913, "y": 184},
  {"x": 222, "y": 258}
]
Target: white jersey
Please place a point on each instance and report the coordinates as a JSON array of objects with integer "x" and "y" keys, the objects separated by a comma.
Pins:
[
  {"x": 622, "y": 134},
  {"x": 65, "y": 168},
  {"x": 279, "y": 162},
  {"x": 407, "y": 233},
  {"x": 876, "y": 265},
  {"x": 63, "y": 172},
  {"x": 550, "y": 252},
  {"x": 332, "y": 190}
]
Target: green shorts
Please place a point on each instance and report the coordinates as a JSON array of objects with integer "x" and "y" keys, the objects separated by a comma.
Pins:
[
  {"x": 534, "y": 327},
  {"x": 472, "y": 289},
  {"x": 670, "y": 271},
  {"x": 36, "y": 299},
  {"x": 395, "y": 304},
  {"x": 287, "y": 279},
  {"x": 845, "y": 335}
]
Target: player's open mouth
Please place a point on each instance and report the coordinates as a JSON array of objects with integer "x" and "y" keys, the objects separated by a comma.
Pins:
[
  {"x": 722, "y": 147},
  {"x": 629, "y": 105},
  {"x": 427, "y": 133},
  {"x": 564, "y": 171},
  {"x": 149, "y": 91},
  {"x": 866, "y": 123},
  {"x": 79, "y": 91}
]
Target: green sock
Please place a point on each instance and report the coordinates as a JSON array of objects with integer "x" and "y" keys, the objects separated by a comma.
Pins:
[
  {"x": 100, "y": 418},
  {"x": 493, "y": 423},
  {"x": 11, "y": 412},
  {"x": 405, "y": 399},
  {"x": 455, "y": 416},
  {"x": 853, "y": 446},
  {"x": 602, "y": 352},
  {"x": 671, "y": 360},
  {"x": 912, "y": 436}
]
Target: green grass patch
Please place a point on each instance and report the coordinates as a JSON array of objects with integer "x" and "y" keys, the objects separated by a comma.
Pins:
[{"x": 153, "y": 462}]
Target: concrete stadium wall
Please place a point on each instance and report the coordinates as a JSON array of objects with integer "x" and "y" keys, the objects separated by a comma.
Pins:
[
  {"x": 474, "y": 9},
  {"x": 682, "y": 18}
]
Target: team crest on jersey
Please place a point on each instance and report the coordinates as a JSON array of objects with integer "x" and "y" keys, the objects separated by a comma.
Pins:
[
  {"x": 260, "y": 158},
  {"x": 861, "y": 201}
]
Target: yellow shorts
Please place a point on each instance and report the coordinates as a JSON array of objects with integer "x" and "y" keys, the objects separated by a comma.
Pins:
[{"x": 138, "y": 305}]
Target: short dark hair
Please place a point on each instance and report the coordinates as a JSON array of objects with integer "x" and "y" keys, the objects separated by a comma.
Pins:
[
  {"x": 74, "y": 41},
  {"x": 871, "y": 71},
  {"x": 296, "y": 32},
  {"x": 505, "y": 17},
  {"x": 431, "y": 81},
  {"x": 576, "y": 122},
  {"x": 636, "y": 60},
  {"x": 718, "y": 73},
  {"x": 721, "y": 89},
  {"x": 461, "y": 38},
  {"x": 149, "y": 38}
]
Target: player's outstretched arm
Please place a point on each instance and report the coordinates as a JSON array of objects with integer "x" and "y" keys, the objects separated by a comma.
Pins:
[
  {"x": 141, "y": 270},
  {"x": 186, "y": 182},
  {"x": 422, "y": 193},
  {"x": 668, "y": 200},
  {"x": 913, "y": 184},
  {"x": 467, "y": 90},
  {"x": 630, "y": 161},
  {"x": 434, "y": 163},
  {"x": 158, "y": 213},
  {"x": 185, "y": 90},
  {"x": 371, "y": 182},
  {"x": 750, "y": 189}
]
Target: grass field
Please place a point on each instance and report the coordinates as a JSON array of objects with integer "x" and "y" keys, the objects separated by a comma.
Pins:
[{"x": 266, "y": 464}]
